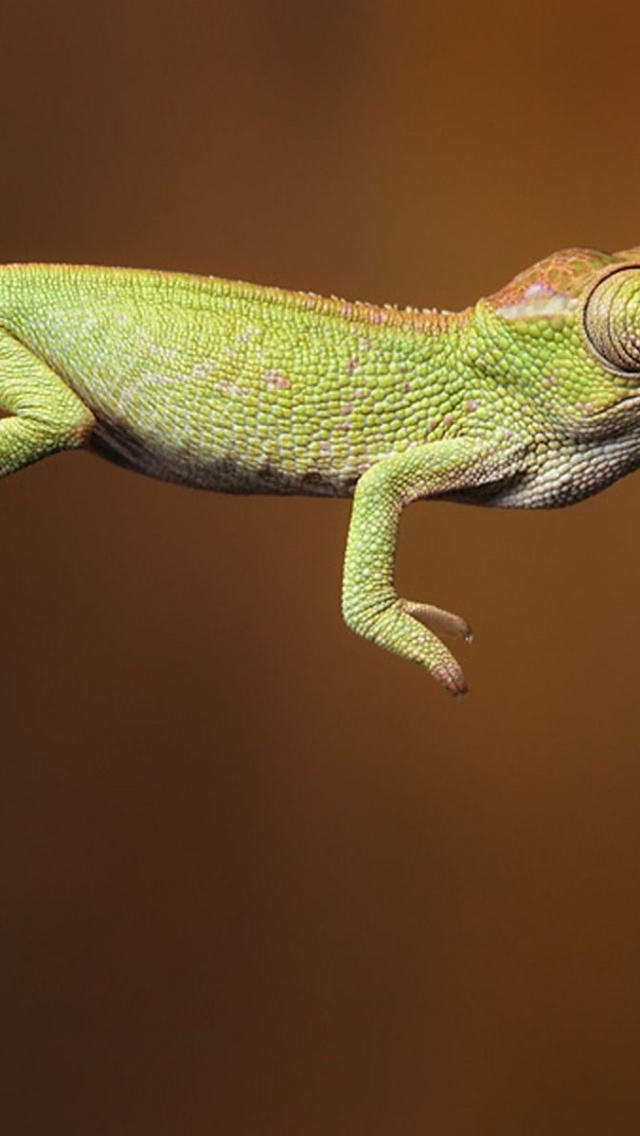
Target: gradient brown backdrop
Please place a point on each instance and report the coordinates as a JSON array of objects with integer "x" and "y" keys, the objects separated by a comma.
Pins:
[{"x": 257, "y": 878}]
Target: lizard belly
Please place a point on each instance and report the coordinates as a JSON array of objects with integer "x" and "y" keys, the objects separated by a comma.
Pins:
[{"x": 190, "y": 458}]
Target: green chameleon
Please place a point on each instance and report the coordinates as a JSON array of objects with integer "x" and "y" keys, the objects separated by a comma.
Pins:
[{"x": 530, "y": 398}]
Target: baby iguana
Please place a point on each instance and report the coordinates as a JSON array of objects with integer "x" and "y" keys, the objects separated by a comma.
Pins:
[{"x": 530, "y": 398}]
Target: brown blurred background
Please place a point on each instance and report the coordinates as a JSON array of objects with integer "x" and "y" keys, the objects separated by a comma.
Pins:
[{"x": 258, "y": 878}]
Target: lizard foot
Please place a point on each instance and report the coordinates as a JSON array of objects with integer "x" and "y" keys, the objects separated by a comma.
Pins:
[{"x": 413, "y": 631}]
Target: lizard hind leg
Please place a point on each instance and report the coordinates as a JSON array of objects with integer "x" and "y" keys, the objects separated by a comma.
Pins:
[{"x": 39, "y": 413}]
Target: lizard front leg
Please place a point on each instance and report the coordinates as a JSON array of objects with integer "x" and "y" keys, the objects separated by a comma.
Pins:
[
  {"x": 370, "y": 604},
  {"x": 43, "y": 414}
]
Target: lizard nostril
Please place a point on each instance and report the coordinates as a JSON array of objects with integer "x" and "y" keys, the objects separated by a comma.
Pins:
[{"x": 612, "y": 320}]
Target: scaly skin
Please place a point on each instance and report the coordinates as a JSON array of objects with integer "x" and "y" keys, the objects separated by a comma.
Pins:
[{"x": 530, "y": 398}]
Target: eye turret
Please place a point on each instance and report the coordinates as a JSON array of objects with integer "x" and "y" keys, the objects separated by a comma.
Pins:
[{"x": 612, "y": 320}]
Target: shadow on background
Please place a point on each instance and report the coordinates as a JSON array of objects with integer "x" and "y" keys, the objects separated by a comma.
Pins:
[{"x": 256, "y": 876}]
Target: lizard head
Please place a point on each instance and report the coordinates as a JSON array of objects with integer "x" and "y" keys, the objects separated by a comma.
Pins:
[
  {"x": 562, "y": 341},
  {"x": 574, "y": 321}
]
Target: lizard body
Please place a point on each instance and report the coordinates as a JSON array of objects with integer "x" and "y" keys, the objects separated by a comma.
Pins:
[{"x": 529, "y": 398}]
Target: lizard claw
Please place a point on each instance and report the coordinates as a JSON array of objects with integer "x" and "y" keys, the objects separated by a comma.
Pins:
[
  {"x": 439, "y": 621},
  {"x": 452, "y": 679}
]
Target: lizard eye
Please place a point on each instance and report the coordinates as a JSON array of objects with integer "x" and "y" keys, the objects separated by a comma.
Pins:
[{"x": 612, "y": 320}]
